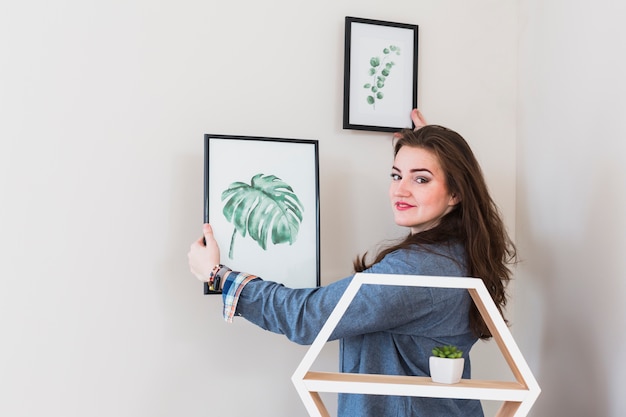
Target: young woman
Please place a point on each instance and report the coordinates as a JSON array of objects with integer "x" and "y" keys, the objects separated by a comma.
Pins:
[{"x": 438, "y": 192}]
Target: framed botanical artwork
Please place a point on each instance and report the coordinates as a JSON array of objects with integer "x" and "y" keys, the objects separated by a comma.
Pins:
[
  {"x": 380, "y": 75},
  {"x": 261, "y": 196}
]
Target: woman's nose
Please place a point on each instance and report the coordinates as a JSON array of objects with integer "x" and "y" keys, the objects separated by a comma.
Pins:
[{"x": 400, "y": 188}]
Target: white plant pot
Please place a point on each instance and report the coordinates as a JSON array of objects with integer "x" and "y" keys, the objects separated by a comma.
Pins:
[{"x": 446, "y": 370}]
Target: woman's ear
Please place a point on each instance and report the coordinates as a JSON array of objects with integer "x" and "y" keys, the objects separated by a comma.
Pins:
[{"x": 454, "y": 200}]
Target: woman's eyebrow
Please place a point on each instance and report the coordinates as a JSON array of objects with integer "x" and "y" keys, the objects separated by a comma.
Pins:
[
  {"x": 412, "y": 170},
  {"x": 420, "y": 170}
]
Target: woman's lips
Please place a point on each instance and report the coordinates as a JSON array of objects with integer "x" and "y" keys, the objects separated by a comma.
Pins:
[{"x": 403, "y": 206}]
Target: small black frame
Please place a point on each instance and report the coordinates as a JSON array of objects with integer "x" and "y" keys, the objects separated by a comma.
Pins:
[{"x": 380, "y": 74}]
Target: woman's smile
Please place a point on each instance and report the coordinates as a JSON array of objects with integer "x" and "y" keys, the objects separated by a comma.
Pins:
[{"x": 401, "y": 206}]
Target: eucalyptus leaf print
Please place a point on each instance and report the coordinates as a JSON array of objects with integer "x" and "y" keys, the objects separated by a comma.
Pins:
[
  {"x": 379, "y": 72},
  {"x": 267, "y": 208}
]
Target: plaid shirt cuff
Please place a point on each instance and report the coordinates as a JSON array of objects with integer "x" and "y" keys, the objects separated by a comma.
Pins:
[{"x": 231, "y": 290}]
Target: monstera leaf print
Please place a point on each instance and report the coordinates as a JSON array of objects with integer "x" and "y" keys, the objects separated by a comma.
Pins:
[{"x": 265, "y": 208}]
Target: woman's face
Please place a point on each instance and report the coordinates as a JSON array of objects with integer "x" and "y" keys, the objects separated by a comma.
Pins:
[{"x": 418, "y": 192}]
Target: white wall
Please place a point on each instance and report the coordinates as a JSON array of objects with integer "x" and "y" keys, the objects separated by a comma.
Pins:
[
  {"x": 104, "y": 106},
  {"x": 571, "y": 204}
]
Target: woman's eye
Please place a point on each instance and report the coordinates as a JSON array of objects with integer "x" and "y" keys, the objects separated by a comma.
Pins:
[
  {"x": 421, "y": 180},
  {"x": 396, "y": 177}
]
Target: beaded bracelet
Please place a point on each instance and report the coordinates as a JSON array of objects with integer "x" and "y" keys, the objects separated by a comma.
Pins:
[{"x": 216, "y": 275}]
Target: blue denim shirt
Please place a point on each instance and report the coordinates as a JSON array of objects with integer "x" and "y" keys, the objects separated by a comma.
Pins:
[{"x": 387, "y": 330}]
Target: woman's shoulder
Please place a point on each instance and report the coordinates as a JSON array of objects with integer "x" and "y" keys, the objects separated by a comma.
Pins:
[
  {"x": 436, "y": 259},
  {"x": 449, "y": 249}
]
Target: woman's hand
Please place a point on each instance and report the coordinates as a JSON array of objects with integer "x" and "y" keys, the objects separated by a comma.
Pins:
[
  {"x": 418, "y": 119},
  {"x": 203, "y": 257}
]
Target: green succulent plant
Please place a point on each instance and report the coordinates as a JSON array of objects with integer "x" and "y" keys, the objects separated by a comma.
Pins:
[
  {"x": 267, "y": 208},
  {"x": 447, "y": 351}
]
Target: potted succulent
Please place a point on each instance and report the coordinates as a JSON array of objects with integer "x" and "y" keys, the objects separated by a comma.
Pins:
[{"x": 446, "y": 364}]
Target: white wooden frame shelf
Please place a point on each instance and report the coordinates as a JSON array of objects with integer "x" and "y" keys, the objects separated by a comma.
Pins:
[{"x": 518, "y": 396}]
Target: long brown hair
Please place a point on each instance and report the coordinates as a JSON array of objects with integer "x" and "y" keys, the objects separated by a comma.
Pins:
[{"x": 475, "y": 222}]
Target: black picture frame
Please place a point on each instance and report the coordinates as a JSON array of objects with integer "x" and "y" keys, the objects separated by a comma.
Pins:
[
  {"x": 380, "y": 74},
  {"x": 261, "y": 196}
]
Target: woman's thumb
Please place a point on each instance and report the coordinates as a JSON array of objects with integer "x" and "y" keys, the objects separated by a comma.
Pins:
[{"x": 207, "y": 231}]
